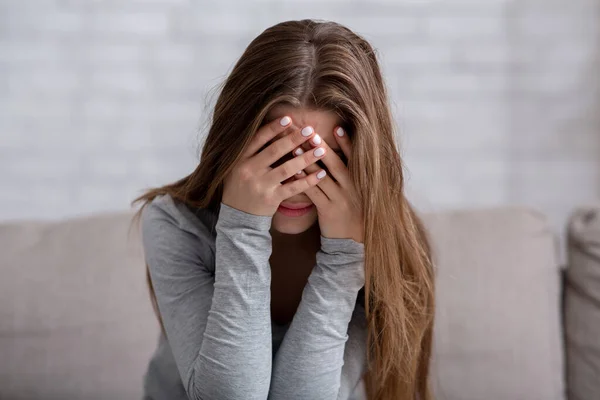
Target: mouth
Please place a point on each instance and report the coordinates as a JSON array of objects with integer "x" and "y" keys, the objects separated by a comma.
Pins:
[
  {"x": 298, "y": 209},
  {"x": 295, "y": 206}
]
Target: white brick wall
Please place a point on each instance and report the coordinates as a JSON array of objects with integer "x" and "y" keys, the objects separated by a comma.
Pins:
[{"x": 498, "y": 101}]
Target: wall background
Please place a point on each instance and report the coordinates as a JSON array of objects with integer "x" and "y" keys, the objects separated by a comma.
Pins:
[{"x": 497, "y": 101}]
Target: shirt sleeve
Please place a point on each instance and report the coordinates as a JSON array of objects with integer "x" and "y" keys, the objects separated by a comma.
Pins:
[
  {"x": 308, "y": 364},
  {"x": 218, "y": 325}
]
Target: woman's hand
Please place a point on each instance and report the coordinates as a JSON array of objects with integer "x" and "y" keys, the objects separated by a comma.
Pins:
[
  {"x": 340, "y": 215},
  {"x": 253, "y": 186}
]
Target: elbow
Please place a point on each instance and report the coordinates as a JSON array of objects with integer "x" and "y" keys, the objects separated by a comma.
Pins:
[
  {"x": 196, "y": 387},
  {"x": 205, "y": 388},
  {"x": 192, "y": 389}
]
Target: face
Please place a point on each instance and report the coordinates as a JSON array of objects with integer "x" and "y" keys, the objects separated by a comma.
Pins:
[{"x": 323, "y": 122}]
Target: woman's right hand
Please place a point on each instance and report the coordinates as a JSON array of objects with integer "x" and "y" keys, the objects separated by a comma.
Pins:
[{"x": 254, "y": 186}]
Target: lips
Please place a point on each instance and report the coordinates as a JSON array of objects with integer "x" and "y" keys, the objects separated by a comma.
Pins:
[
  {"x": 295, "y": 206},
  {"x": 295, "y": 212}
]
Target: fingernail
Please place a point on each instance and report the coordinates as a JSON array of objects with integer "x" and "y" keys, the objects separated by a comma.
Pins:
[
  {"x": 319, "y": 152},
  {"x": 299, "y": 151},
  {"x": 285, "y": 121},
  {"x": 321, "y": 174},
  {"x": 339, "y": 131},
  {"x": 307, "y": 131},
  {"x": 299, "y": 173},
  {"x": 316, "y": 139}
]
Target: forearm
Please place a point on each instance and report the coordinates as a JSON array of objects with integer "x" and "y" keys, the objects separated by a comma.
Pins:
[
  {"x": 235, "y": 358},
  {"x": 309, "y": 361}
]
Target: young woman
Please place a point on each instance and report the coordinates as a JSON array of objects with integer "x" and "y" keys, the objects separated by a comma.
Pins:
[{"x": 289, "y": 264}]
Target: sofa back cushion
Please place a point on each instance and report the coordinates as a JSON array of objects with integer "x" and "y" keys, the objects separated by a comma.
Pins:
[
  {"x": 75, "y": 317},
  {"x": 76, "y": 321},
  {"x": 497, "y": 332}
]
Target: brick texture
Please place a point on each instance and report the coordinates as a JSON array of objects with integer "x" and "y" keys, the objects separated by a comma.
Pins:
[{"x": 497, "y": 102}]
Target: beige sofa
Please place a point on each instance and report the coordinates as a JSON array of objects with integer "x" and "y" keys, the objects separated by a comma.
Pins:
[{"x": 76, "y": 321}]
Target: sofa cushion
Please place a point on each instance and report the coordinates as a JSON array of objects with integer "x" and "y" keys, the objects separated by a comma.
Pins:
[
  {"x": 75, "y": 318},
  {"x": 76, "y": 321},
  {"x": 582, "y": 304},
  {"x": 497, "y": 332}
]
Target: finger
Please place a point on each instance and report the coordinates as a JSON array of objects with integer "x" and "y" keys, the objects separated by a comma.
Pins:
[
  {"x": 331, "y": 188},
  {"x": 297, "y": 186},
  {"x": 333, "y": 162},
  {"x": 328, "y": 185},
  {"x": 317, "y": 196},
  {"x": 309, "y": 169},
  {"x": 282, "y": 146},
  {"x": 290, "y": 167},
  {"x": 266, "y": 133},
  {"x": 344, "y": 141}
]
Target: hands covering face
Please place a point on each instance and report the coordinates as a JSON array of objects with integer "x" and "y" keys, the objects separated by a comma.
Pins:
[{"x": 339, "y": 216}]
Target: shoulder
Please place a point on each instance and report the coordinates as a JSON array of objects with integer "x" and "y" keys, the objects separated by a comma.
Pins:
[
  {"x": 164, "y": 209},
  {"x": 171, "y": 228}
]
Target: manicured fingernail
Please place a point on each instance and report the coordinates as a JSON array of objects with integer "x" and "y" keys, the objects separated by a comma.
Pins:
[
  {"x": 321, "y": 174},
  {"x": 319, "y": 152},
  {"x": 299, "y": 151},
  {"x": 339, "y": 131},
  {"x": 285, "y": 121},
  {"x": 316, "y": 139},
  {"x": 307, "y": 131}
]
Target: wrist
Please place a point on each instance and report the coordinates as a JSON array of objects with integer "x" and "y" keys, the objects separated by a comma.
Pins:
[
  {"x": 342, "y": 246},
  {"x": 231, "y": 217}
]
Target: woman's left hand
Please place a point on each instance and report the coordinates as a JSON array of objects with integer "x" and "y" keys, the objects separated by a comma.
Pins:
[{"x": 340, "y": 215}]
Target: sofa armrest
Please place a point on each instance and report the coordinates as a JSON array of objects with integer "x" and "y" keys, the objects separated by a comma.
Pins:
[{"x": 582, "y": 304}]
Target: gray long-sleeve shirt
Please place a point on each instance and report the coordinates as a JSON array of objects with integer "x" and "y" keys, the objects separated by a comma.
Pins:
[{"x": 211, "y": 276}]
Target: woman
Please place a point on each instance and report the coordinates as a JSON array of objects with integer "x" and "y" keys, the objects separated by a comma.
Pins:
[{"x": 289, "y": 264}]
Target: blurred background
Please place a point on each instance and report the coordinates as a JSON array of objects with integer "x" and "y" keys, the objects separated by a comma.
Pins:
[{"x": 497, "y": 102}]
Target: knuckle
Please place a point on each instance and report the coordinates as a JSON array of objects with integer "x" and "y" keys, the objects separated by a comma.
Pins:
[
  {"x": 270, "y": 197},
  {"x": 287, "y": 170},
  {"x": 261, "y": 135},
  {"x": 273, "y": 150},
  {"x": 245, "y": 173},
  {"x": 275, "y": 127},
  {"x": 343, "y": 206},
  {"x": 277, "y": 131},
  {"x": 257, "y": 191},
  {"x": 287, "y": 191},
  {"x": 293, "y": 189},
  {"x": 297, "y": 139},
  {"x": 334, "y": 171},
  {"x": 310, "y": 158}
]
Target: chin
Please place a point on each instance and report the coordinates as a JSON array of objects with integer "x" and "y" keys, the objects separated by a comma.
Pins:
[{"x": 293, "y": 226}]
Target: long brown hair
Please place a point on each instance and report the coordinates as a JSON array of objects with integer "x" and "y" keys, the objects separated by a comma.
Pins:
[{"x": 324, "y": 65}]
